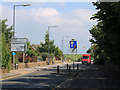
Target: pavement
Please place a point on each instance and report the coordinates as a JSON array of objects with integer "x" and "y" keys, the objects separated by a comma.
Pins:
[{"x": 23, "y": 71}]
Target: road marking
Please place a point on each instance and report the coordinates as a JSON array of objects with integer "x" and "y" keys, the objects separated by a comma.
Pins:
[
  {"x": 64, "y": 83},
  {"x": 104, "y": 79}
]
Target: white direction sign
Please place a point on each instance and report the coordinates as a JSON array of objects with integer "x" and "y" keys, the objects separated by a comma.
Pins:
[{"x": 19, "y": 44}]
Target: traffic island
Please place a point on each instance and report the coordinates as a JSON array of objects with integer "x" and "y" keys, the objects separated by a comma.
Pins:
[{"x": 72, "y": 73}]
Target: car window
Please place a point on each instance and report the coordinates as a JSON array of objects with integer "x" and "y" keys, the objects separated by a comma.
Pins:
[{"x": 85, "y": 57}]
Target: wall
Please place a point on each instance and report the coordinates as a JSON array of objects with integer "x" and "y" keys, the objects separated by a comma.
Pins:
[{"x": 35, "y": 64}]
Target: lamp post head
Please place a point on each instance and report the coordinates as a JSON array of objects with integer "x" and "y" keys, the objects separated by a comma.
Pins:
[
  {"x": 26, "y": 4},
  {"x": 67, "y": 36},
  {"x": 22, "y": 5},
  {"x": 54, "y": 26}
]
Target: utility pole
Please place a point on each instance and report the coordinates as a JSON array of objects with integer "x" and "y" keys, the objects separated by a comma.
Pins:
[
  {"x": 14, "y": 25},
  {"x": 63, "y": 45},
  {"x": 48, "y": 42}
]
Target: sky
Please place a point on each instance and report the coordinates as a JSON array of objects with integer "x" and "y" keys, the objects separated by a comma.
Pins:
[{"x": 72, "y": 19}]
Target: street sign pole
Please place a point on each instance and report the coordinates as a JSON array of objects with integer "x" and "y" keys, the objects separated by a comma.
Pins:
[
  {"x": 73, "y": 60},
  {"x": 13, "y": 61},
  {"x": 73, "y": 47},
  {"x": 13, "y": 53},
  {"x": 23, "y": 59}
]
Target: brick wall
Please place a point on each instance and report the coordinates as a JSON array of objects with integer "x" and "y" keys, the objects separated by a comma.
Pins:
[
  {"x": 32, "y": 64},
  {"x": 36, "y": 64}
]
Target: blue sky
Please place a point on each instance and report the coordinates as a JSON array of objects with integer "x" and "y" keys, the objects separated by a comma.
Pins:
[{"x": 73, "y": 19}]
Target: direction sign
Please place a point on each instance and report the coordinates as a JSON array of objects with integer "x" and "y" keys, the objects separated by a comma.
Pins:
[
  {"x": 73, "y": 44},
  {"x": 19, "y": 44}
]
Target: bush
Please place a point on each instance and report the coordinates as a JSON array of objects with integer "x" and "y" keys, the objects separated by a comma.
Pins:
[{"x": 44, "y": 56}]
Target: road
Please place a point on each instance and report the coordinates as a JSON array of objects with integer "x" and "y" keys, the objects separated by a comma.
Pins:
[
  {"x": 38, "y": 79},
  {"x": 96, "y": 77},
  {"x": 91, "y": 76}
]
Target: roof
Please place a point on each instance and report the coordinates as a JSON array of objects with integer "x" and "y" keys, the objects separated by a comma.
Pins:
[{"x": 34, "y": 46}]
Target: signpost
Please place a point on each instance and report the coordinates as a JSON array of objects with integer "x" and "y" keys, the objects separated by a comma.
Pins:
[
  {"x": 13, "y": 53},
  {"x": 18, "y": 44},
  {"x": 73, "y": 47}
]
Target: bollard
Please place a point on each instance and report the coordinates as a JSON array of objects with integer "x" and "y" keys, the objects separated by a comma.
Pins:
[
  {"x": 77, "y": 66},
  {"x": 73, "y": 66},
  {"x": 69, "y": 69},
  {"x": 57, "y": 69},
  {"x": 67, "y": 66}
]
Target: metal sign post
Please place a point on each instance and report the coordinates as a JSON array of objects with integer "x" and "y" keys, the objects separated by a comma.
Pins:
[
  {"x": 73, "y": 60},
  {"x": 13, "y": 61},
  {"x": 73, "y": 47},
  {"x": 23, "y": 59},
  {"x": 13, "y": 53}
]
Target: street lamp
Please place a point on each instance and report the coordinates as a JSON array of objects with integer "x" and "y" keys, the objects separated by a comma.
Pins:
[
  {"x": 14, "y": 16},
  {"x": 48, "y": 41},
  {"x": 14, "y": 26},
  {"x": 63, "y": 44}
]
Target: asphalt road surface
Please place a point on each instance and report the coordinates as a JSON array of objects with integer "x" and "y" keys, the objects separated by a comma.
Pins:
[
  {"x": 91, "y": 77},
  {"x": 94, "y": 77}
]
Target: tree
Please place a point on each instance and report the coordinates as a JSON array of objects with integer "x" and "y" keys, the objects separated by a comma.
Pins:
[
  {"x": 30, "y": 52},
  {"x": 6, "y": 56},
  {"x": 58, "y": 53},
  {"x": 52, "y": 48},
  {"x": 5, "y": 35},
  {"x": 106, "y": 33},
  {"x": 6, "y": 30}
]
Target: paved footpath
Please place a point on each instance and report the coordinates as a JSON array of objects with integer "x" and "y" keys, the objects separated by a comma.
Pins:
[
  {"x": 95, "y": 77},
  {"x": 19, "y": 72}
]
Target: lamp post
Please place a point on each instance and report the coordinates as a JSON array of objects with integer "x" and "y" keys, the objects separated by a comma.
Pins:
[
  {"x": 14, "y": 16},
  {"x": 63, "y": 45},
  {"x": 48, "y": 42},
  {"x": 14, "y": 26}
]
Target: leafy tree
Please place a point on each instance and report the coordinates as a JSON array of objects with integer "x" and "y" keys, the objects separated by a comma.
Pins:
[
  {"x": 52, "y": 48},
  {"x": 5, "y": 35},
  {"x": 6, "y": 56},
  {"x": 58, "y": 53},
  {"x": 106, "y": 33},
  {"x": 6, "y": 30},
  {"x": 30, "y": 52}
]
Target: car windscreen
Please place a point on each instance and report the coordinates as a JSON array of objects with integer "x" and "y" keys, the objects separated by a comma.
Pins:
[{"x": 85, "y": 57}]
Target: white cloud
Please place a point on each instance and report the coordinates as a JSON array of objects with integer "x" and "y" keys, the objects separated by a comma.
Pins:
[
  {"x": 44, "y": 12},
  {"x": 83, "y": 14}
]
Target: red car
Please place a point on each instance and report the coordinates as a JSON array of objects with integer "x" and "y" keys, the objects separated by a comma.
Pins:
[{"x": 86, "y": 59}]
